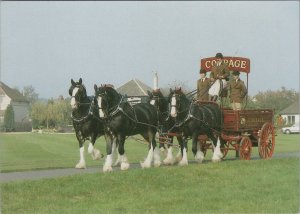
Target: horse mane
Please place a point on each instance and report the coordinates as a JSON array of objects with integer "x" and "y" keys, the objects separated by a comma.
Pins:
[{"x": 107, "y": 85}]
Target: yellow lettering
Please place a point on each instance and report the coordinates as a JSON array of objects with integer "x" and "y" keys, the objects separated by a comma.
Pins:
[
  {"x": 237, "y": 63},
  {"x": 213, "y": 62},
  {"x": 243, "y": 64},
  {"x": 206, "y": 64},
  {"x": 231, "y": 64}
]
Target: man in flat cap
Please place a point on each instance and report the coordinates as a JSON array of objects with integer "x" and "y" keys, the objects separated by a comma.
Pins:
[
  {"x": 237, "y": 90},
  {"x": 203, "y": 85},
  {"x": 218, "y": 75}
]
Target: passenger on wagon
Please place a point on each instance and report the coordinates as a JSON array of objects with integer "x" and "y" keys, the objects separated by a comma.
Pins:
[
  {"x": 203, "y": 85},
  {"x": 237, "y": 90},
  {"x": 219, "y": 74}
]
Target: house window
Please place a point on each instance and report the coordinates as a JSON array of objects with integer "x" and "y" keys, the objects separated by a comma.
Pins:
[{"x": 291, "y": 119}]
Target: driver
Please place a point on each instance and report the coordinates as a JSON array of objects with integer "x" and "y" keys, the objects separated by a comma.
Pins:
[{"x": 218, "y": 75}]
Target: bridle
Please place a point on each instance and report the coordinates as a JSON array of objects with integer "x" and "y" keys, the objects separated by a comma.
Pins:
[
  {"x": 108, "y": 111},
  {"x": 81, "y": 93}
]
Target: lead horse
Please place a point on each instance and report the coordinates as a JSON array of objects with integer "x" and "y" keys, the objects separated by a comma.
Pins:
[
  {"x": 122, "y": 120},
  {"x": 85, "y": 121},
  {"x": 194, "y": 119}
]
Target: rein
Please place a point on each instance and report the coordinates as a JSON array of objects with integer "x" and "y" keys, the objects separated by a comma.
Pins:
[
  {"x": 118, "y": 109},
  {"x": 191, "y": 116}
]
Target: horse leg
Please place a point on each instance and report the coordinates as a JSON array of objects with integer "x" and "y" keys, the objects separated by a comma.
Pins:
[
  {"x": 179, "y": 154},
  {"x": 123, "y": 159},
  {"x": 169, "y": 160},
  {"x": 217, "y": 151},
  {"x": 115, "y": 150},
  {"x": 184, "y": 160},
  {"x": 198, "y": 154},
  {"x": 81, "y": 164},
  {"x": 95, "y": 153},
  {"x": 148, "y": 160},
  {"x": 107, "y": 167},
  {"x": 157, "y": 161}
]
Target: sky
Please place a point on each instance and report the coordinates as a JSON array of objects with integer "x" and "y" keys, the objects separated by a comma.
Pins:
[{"x": 46, "y": 44}]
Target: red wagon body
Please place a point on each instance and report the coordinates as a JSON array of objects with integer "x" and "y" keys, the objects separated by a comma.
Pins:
[{"x": 241, "y": 130}]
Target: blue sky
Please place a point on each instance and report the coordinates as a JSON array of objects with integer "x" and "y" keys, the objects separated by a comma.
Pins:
[{"x": 45, "y": 44}]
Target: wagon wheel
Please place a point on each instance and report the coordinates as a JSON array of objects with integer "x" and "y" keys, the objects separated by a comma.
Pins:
[
  {"x": 266, "y": 141},
  {"x": 245, "y": 148}
]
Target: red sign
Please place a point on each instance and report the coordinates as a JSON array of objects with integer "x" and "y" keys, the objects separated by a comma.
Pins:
[{"x": 234, "y": 63}]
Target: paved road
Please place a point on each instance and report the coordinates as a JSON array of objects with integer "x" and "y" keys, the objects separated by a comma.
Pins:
[{"x": 53, "y": 173}]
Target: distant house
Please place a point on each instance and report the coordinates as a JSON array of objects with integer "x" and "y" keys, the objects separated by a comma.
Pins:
[
  {"x": 291, "y": 114},
  {"x": 135, "y": 90},
  {"x": 20, "y": 106}
]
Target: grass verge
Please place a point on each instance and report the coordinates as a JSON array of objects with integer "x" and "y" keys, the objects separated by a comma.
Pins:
[{"x": 257, "y": 186}]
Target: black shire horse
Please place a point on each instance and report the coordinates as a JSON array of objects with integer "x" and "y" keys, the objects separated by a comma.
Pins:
[
  {"x": 165, "y": 124},
  {"x": 86, "y": 121},
  {"x": 122, "y": 120},
  {"x": 193, "y": 120}
]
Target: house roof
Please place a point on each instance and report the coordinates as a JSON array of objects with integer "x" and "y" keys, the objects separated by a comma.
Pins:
[
  {"x": 134, "y": 87},
  {"x": 13, "y": 94},
  {"x": 292, "y": 109}
]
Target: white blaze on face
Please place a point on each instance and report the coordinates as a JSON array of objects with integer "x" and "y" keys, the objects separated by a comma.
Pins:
[
  {"x": 173, "y": 106},
  {"x": 101, "y": 113},
  {"x": 73, "y": 101},
  {"x": 152, "y": 102}
]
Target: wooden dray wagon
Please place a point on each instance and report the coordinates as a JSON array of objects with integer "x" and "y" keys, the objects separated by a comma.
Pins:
[{"x": 244, "y": 129}]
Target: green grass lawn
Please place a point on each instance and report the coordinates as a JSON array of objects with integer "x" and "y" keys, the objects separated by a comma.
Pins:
[
  {"x": 41, "y": 151},
  {"x": 257, "y": 186}
]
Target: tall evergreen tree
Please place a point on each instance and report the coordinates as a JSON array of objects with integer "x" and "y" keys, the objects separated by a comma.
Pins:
[{"x": 9, "y": 119}]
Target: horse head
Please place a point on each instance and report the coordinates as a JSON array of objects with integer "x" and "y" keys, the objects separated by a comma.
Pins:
[
  {"x": 157, "y": 99},
  {"x": 107, "y": 98},
  {"x": 77, "y": 92},
  {"x": 178, "y": 102}
]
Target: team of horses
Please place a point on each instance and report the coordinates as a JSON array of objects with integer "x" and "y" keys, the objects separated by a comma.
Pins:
[{"x": 108, "y": 114}]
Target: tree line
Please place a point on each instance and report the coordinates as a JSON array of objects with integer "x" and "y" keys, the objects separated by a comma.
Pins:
[{"x": 56, "y": 113}]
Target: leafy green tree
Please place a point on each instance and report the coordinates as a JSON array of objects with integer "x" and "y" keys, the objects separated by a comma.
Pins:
[
  {"x": 38, "y": 114},
  {"x": 62, "y": 110},
  {"x": 9, "y": 119},
  {"x": 52, "y": 114},
  {"x": 277, "y": 100},
  {"x": 30, "y": 94}
]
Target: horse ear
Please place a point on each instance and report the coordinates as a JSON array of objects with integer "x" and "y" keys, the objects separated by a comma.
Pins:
[
  {"x": 171, "y": 90},
  {"x": 149, "y": 93},
  {"x": 72, "y": 82},
  {"x": 80, "y": 80},
  {"x": 95, "y": 87}
]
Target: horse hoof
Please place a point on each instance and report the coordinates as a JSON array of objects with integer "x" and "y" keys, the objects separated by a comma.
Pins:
[
  {"x": 80, "y": 166},
  {"x": 183, "y": 163},
  {"x": 96, "y": 154},
  {"x": 168, "y": 161},
  {"x": 125, "y": 166},
  {"x": 157, "y": 163},
  {"x": 107, "y": 169},
  {"x": 145, "y": 165}
]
